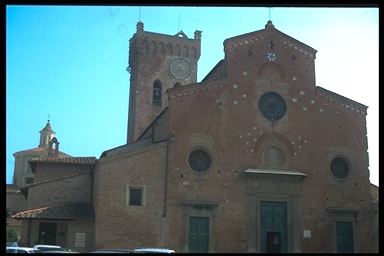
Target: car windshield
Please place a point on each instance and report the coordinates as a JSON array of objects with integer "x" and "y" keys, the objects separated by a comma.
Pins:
[
  {"x": 21, "y": 250},
  {"x": 43, "y": 248}
]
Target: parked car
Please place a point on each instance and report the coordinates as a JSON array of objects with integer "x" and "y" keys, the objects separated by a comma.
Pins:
[
  {"x": 154, "y": 250},
  {"x": 12, "y": 244},
  {"x": 122, "y": 250},
  {"x": 68, "y": 249},
  {"x": 141, "y": 250},
  {"x": 59, "y": 252},
  {"x": 115, "y": 251},
  {"x": 18, "y": 249},
  {"x": 48, "y": 247}
]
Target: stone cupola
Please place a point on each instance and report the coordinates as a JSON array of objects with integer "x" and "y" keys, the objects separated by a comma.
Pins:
[{"x": 46, "y": 135}]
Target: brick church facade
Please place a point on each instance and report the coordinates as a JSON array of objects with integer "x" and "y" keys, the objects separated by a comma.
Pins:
[{"x": 254, "y": 158}]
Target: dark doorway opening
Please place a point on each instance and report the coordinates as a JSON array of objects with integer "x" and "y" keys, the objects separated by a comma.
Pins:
[
  {"x": 47, "y": 233},
  {"x": 274, "y": 235},
  {"x": 273, "y": 242}
]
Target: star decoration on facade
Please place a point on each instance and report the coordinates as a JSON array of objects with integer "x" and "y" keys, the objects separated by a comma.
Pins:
[{"x": 271, "y": 56}]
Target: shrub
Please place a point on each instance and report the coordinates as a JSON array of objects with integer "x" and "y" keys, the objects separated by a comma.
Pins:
[{"x": 11, "y": 235}]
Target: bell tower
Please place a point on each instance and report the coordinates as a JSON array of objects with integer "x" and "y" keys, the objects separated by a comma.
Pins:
[
  {"x": 157, "y": 62},
  {"x": 46, "y": 135}
]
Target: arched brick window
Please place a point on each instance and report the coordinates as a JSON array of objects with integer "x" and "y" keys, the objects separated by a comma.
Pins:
[{"x": 156, "y": 97}]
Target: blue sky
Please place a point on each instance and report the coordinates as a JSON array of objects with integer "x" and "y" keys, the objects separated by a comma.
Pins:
[{"x": 68, "y": 64}]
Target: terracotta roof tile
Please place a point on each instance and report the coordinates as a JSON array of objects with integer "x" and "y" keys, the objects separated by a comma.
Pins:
[
  {"x": 50, "y": 180},
  {"x": 66, "y": 160},
  {"x": 69, "y": 211},
  {"x": 14, "y": 222},
  {"x": 40, "y": 149}
]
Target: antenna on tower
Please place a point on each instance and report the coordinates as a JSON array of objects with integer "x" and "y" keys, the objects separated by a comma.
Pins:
[
  {"x": 178, "y": 25},
  {"x": 49, "y": 117},
  {"x": 269, "y": 12}
]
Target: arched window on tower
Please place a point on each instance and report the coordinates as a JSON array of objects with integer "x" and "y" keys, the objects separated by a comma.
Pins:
[
  {"x": 53, "y": 149},
  {"x": 177, "y": 84},
  {"x": 156, "y": 98}
]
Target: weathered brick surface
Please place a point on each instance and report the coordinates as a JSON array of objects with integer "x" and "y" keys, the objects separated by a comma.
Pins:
[
  {"x": 118, "y": 224},
  {"x": 81, "y": 226},
  {"x": 222, "y": 116},
  {"x": 48, "y": 171},
  {"x": 150, "y": 55},
  {"x": 60, "y": 191}
]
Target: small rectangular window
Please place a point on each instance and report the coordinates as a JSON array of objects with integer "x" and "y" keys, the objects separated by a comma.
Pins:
[
  {"x": 29, "y": 180},
  {"x": 135, "y": 195}
]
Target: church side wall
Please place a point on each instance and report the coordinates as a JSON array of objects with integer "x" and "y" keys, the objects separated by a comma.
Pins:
[{"x": 131, "y": 226}]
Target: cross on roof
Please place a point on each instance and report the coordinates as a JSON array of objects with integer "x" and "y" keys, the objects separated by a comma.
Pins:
[{"x": 271, "y": 45}]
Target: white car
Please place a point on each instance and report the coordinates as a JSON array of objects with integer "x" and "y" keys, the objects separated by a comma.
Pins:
[
  {"x": 154, "y": 250},
  {"x": 17, "y": 249},
  {"x": 48, "y": 247}
]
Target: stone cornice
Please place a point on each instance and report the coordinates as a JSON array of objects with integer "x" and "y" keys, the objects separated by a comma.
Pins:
[
  {"x": 342, "y": 101},
  {"x": 253, "y": 38},
  {"x": 334, "y": 210},
  {"x": 259, "y": 172},
  {"x": 188, "y": 90},
  {"x": 195, "y": 203}
]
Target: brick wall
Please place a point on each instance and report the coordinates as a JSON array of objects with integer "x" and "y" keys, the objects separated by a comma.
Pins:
[
  {"x": 47, "y": 171},
  {"x": 118, "y": 225},
  {"x": 222, "y": 116},
  {"x": 61, "y": 191}
]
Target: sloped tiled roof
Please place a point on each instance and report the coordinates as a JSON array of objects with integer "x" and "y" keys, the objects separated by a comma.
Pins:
[
  {"x": 218, "y": 72},
  {"x": 14, "y": 222},
  {"x": 24, "y": 190},
  {"x": 48, "y": 127},
  {"x": 55, "y": 179},
  {"x": 39, "y": 149},
  {"x": 66, "y": 160},
  {"x": 69, "y": 211},
  {"x": 11, "y": 188}
]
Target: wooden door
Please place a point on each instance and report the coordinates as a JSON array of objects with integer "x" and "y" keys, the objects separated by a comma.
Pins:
[
  {"x": 198, "y": 234},
  {"x": 344, "y": 234},
  {"x": 274, "y": 227}
]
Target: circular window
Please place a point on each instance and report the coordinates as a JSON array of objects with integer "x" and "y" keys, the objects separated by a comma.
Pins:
[
  {"x": 199, "y": 160},
  {"x": 272, "y": 106},
  {"x": 340, "y": 168}
]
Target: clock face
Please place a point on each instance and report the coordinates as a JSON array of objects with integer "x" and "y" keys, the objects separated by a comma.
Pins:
[{"x": 180, "y": 68}]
